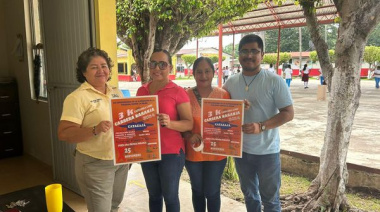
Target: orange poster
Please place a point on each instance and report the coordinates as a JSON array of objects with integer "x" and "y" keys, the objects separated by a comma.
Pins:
[
  {"x": 136, "y": 134},
  {"x": 222, "y": 120}
]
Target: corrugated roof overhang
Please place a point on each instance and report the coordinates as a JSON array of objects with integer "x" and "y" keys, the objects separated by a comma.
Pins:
[{"x": 268, "y": 16}]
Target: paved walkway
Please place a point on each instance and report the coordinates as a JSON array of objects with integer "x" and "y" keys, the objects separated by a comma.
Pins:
[
  {"x": 136, "y": 195},
  {"x": 305, "y": 134}
]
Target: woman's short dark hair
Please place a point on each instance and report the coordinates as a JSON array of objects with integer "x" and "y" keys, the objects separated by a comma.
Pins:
[
  {"x": 197, "y": 61},
  {"x": 85, "y": 58},
  {"x": 167, "y": 54},
  {"x": 252, "y": 38}
]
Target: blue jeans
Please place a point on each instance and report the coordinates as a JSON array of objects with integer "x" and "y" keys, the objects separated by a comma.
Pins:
[
  {"x": 377, "y": 80},
  {"x": 260, "y": 181},
  {"x": 205, "y": 177},
  {"x": 288, "y": 82},
  {"x": 162, "y": 180}
]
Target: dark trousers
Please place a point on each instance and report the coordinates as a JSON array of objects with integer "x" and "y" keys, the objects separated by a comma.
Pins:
[
  {"x": 225, "y": 79},
  {"x": 205, "y": 177},
  {"x": 162, "y": 180}
]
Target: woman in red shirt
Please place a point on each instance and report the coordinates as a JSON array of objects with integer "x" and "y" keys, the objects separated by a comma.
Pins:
[{"x": 162, "y": 177}]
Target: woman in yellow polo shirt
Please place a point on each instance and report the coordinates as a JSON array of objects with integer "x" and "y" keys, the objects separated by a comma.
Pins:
[
  {"x": 86, "y": 121},
  {"x": 205, "y": 170}
]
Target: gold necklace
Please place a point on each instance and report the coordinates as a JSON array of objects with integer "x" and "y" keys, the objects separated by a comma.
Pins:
[{"x": 247, "y": 86}]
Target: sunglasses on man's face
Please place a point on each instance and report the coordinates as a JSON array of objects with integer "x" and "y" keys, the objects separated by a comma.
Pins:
[{"x": 162, "y": 65}]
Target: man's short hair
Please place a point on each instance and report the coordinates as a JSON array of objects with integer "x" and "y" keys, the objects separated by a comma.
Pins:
[{"x": 251, "y": 38}]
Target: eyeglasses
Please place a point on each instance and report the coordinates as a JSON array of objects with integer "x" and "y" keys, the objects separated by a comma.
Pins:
[
  {"x": 246, "y": 52},
  {"x": 162, "y": 65}
]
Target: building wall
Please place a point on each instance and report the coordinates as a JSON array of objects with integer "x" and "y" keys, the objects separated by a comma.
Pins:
[{"x": 35, "y": 119}]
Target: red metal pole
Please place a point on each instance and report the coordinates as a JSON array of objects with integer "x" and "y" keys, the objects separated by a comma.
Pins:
[
  {"x": 278, "y": 49},
  {"x": 220, "y": 55},
  {"x": 233, "y": 52}
]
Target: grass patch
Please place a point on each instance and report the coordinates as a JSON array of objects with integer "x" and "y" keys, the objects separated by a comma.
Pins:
[
  {"x": 364, "y": 201},
  {"x": 291, "y": 184}
]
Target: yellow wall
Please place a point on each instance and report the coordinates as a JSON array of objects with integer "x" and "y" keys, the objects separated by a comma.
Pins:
[
  {"x": 174, "y": 62},
  {"x": 130, "y": 61},
  {"x": 105, "y": 18}
]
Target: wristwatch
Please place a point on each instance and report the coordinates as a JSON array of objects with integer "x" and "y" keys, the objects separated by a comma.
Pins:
[{"x": 262, "y": 127}]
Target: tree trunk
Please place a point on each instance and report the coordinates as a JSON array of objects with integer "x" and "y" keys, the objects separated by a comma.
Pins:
[
  {"x": 358, "y": 18},
  {"x": 319, "y": 43},
  {"x": 141, "y": 50}
]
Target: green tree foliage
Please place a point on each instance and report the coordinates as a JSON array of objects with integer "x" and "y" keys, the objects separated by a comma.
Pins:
[
  {"x": 228, "y": 49},
  {"x": 270, "y": 59},
  {"x": 330, "y": 32},
  {"x": 374, "y": 37},
  {"x": 189, "y": 60},
  {"x": 147, "y": 24},
  {"x": 332, "y": 55},
  {"x": 313, "y": 56},
  {"x": 285, "y": 57},
  {"x": 290, "y": 39},
  {"x": 371, "y": 54},
  {"x": 214, "y": 57}
]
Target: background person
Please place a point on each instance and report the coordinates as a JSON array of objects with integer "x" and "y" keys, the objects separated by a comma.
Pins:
[
  {"x": 86, "y": 121},
  {"x": 321, "y": 77},
  {"x": 305, "y": 76},
  {"x": 271, "y": 69},
  {"x": 162, "y": 177},
  {"x": 226, "y": 74},
  {"x": 376, "y": 74},
  {"x": 259, "y": 169},
  {"x": 205, "y": 170},
  {"x": 370, "y": 72},
  {"x": 288, "y": 75}
]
